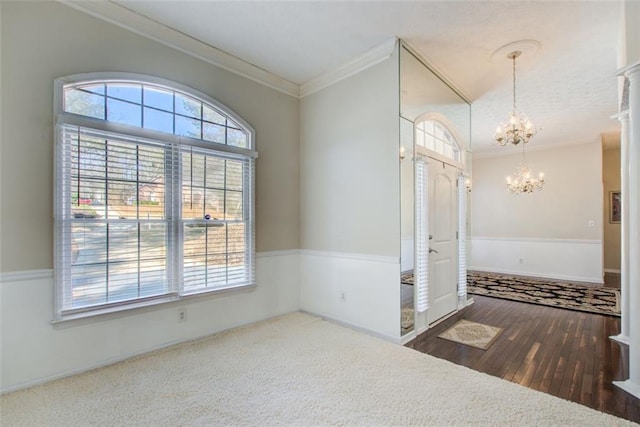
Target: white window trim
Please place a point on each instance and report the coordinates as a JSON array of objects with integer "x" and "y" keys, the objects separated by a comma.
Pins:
[
  {"x": 460, "y": 142},
  {"x": 58, "y": 108},
  {"x": 62, "y": 118},
  {"x": 421, "y": 220}
]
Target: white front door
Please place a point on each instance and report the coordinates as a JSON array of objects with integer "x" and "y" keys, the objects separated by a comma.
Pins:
[{"x": 443, "y": 262}]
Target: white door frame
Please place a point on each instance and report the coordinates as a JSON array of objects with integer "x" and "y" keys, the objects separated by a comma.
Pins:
[{"x": 423, "y": 154}]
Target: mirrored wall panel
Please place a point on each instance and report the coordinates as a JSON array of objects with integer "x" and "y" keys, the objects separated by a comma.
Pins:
[{"x": 438, "y": 119}]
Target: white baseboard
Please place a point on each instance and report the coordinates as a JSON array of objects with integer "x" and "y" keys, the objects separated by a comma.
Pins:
[
  {"x": 120, "y": 358},
  {"x": 622, "y": 339},
  {"x": 353, "y": 289},
  {"x": 563, "y": 259},
  {"x": 612, "y": 270},
  {"x": 408, "y": 337},
  {"x": 629, "y": 386},
  {"x": 355, "y": 327},
  {"x": 423, "y": 329}
]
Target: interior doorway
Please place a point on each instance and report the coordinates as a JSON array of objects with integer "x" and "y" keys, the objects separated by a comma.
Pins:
[
  {"x": 436, "y": 119},
  {"x": 442, "y": 249},
  {"x": 439, "y": 273}
]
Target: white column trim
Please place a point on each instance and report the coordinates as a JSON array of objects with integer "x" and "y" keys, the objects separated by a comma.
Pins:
[
  {"x": 632, "y": 385},
  {"x": 623, "y": 117}
]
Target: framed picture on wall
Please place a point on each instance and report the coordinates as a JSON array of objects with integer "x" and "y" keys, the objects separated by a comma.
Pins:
[{"x": 614, "y": 207}]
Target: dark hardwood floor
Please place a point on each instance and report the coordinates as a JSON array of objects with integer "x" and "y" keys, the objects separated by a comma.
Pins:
[{"x": 561, "y": 352}]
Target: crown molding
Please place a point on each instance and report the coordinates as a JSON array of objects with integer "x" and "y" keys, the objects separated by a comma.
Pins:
[
  {"x": 146, "y": 27},
  {"x": 435, "y": 70},
  {"x": 624, "y": 114},
  {"x": 362, "y": 62},
  {"x": 634, "y": 66}
]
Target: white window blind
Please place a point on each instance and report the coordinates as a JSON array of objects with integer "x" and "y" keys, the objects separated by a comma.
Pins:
[
  {"x": 151, "y": 203},
  {"x": 462, "y": 237},
  {"x": 422, "y": 237},
  {"x": 114, "y": 218},
  {"x": 215, "y": 224}
]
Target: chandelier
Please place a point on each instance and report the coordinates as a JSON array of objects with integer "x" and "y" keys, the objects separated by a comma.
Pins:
[
  {"x": 517, "y": 128},
  {"x": 523, "y": 181}
]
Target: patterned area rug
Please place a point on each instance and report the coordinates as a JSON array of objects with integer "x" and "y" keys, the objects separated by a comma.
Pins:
[
  {"x": 471, "y": 333},
  {"x": 407, "y": 278},
  {"x": 592, "y": 299},
  {"x": 406, "y": 318}
]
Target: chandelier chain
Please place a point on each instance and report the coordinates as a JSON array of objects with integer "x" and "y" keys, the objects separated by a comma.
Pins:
[
  {"x": 517, "y": 128},
  {"x": 514, "y": 84}
]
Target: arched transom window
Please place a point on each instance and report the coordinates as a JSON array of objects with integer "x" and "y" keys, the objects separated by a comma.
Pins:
[
  {"x": 154, "y": 107},
  {"x": 434, "y": 136},
  {"x": 154, "y": 194}
]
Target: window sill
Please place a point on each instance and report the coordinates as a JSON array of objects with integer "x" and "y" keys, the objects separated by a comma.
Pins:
[{"x": 102, "y": 314}]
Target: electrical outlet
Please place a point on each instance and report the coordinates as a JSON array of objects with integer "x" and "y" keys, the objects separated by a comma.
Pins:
[
  {"x": 343, "y": 296},
  {"x": 591, "y": 223},
  {"x": 521, "y": 260},
  {"x": 182, "y": 315}
]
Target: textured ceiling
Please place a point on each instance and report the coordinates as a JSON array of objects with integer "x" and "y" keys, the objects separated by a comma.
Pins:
[{"x": 568, "y": 88}]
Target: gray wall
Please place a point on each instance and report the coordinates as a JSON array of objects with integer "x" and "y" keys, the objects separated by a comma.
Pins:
[
  {"x": 350, "y": 200},
  {"x": 349, "y": 164},
  {"x": 43, "y": 41}
]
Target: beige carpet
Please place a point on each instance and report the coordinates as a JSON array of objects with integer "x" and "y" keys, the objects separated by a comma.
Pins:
[
  {"x": 471, "y": 333},
  {"x": 292, "y": 370}
]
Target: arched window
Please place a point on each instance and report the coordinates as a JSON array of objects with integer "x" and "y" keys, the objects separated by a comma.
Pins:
[
  {"x": 154, "y": 194},
  {"x": 434, "y": 136}
]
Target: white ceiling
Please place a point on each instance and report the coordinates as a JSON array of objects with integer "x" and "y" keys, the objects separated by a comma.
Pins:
[{"x": 568, "y": 88}]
